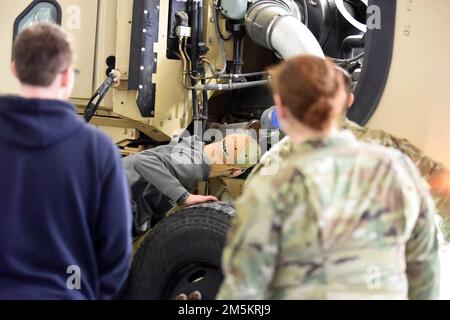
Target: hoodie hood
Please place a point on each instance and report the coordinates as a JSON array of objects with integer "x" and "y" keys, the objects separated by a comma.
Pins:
[{"x": 36, "y": 123}]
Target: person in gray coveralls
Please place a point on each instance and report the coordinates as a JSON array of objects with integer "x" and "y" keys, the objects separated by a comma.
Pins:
[{"x": 166, "y": 176}]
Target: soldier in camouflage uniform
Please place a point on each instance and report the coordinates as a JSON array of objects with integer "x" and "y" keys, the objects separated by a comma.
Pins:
[
  {"x": 436, "y": 174},
  {"x": 341, "y": 219}
]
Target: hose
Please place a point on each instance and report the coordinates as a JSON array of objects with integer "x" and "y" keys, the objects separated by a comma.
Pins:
[
  {"x": 273, "y": 25},
  {"x": 99, "y": 95},
  {"x": 231, "y": 86},
  {"x": 219, "y": 38}
]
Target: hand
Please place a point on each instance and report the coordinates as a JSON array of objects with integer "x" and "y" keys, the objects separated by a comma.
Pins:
[{"x": 192, "y": 199}]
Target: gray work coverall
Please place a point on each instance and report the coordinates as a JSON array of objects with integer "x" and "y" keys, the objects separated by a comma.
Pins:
[{"x": 160, "y": 177}]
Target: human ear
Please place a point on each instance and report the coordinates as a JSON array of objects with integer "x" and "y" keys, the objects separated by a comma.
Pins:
[
  {"x": 281, "y": 112},
  {"x": 67, "y": 81},
  {"x": 65, "y": 78},
  {"x": 280, "y": 108},
  {"x": 277, "y": 100},
  {"x": 351, "y": 100},
  {"x": 13, "y": 69}
]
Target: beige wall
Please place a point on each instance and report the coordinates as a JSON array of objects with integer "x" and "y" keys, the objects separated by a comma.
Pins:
[{"x": 416, "y": 102}]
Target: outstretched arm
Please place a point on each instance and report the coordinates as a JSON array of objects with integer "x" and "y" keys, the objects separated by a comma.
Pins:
[{"x": 154, "y": 170}]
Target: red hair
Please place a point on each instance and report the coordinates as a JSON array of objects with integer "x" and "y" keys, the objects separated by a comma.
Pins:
[{"x": 307, "y": 86}]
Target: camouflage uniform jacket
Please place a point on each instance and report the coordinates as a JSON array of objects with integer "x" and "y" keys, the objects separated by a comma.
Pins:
[
  {"x": 437, "y": 175},
  {"x": 341, "y": 220}
]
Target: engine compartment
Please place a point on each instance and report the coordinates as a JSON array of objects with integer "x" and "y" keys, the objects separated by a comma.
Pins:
[{"x": 203, "y": 63}]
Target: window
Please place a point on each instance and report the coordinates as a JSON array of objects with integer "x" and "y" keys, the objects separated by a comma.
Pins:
[{"x": 38, "y": 11}]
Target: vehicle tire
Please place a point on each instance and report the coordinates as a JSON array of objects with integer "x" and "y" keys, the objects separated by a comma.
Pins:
[{"x": 182, "y": 254}]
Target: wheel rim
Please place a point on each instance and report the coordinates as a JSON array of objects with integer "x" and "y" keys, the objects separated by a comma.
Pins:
[{"x": 202, "y": 277}]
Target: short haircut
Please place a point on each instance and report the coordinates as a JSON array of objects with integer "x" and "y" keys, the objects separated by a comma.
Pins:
[{"x": 41, "y": 52}]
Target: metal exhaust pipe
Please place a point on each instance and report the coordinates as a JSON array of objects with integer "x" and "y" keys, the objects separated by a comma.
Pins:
[{"x": 274, "y": 24}]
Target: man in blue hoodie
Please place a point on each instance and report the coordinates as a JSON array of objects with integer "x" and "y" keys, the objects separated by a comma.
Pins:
[{"x": 65, "y": 221}]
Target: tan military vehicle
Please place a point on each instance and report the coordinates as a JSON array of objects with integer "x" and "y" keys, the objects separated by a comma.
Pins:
[{"x": 177, "y": 65}]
